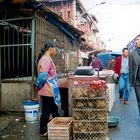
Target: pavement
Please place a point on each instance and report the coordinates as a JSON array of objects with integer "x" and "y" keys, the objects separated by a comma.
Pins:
[
  {"x": 8, "y": 120},
  {"x": 4, "y": 124},
  {"x": 129, "y": 126},
  {"x": 15, "y": 128}
]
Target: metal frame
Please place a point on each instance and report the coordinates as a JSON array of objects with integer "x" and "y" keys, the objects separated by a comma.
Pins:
[
  {"x": 18, "y": 44},
  {"x": 8, "y": 46}
]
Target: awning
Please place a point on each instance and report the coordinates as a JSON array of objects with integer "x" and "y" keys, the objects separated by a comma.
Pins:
[{"x": 62, "y": 27}]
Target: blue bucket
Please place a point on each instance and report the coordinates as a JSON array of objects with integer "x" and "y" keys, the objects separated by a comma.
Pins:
[
  {"x": 30, "y": 103},
  {"x": 31, "y": 110}
]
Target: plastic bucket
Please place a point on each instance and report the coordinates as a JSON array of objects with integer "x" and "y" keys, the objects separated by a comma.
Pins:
[{"x": 31, "y": 110}]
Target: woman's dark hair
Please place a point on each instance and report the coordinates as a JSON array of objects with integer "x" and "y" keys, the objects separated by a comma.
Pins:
[{"x": 49, "y": 44}]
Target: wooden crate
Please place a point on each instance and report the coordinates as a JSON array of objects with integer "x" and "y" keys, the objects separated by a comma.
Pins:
[{"x": 60, "y": 128}]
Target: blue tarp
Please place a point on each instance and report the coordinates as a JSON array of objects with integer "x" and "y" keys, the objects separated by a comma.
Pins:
[{"x": 104, "y": 57}]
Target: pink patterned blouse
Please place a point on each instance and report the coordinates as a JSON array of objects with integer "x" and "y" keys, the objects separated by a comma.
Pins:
[{"x": 46, "y": 64}]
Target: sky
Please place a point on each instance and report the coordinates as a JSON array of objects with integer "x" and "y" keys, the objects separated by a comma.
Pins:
[{"x": 118, "y": 21}]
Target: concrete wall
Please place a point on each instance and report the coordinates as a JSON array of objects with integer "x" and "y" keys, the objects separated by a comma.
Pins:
[{"x": 13, "y": 95}]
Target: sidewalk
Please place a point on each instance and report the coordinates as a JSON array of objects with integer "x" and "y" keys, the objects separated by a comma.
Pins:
[{"x": 129, "y": 127}]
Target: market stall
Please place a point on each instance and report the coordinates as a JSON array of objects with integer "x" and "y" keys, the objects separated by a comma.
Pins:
[
  {"x": 87, "y": 105},
  {"x": 87, "y": 108},
  {"x": 65, "y": 85}
]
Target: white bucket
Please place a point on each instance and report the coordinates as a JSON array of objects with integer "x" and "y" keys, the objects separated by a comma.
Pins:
[{"x": 31, "y": 110}]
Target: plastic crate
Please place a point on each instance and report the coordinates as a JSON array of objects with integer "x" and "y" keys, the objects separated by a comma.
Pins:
[
  {"x": 99, "y": 115},
  {"x": 90, "y": 126},
  {"x": 81, "y": 91},
  {"x": 81, "y": 126},
  {"x": 86, "y": 103},
  {"x": 81, "y": 114},
  {"x": 89, "y": 136},
  {"x": 90, "y": 114},
  {"x": 99, "y": 127}
]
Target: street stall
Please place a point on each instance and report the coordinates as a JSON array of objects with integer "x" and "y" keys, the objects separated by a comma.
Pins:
[
  {"x": 87, "y": 107},
  {"x": 87, "y": 104},
  {"x": 85, "y": 73}
]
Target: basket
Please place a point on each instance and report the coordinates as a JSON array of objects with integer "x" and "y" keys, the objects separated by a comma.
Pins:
[{"x": 113, "y": 121}]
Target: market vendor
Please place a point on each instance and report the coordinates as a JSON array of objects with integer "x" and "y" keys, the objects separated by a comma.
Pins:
[{"x": 47, "y": 86}]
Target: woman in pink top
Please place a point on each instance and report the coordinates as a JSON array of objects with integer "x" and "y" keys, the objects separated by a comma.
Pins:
[{"x": 49, "y": 97}]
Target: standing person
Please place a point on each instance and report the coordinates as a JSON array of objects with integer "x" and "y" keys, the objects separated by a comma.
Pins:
[
  {"x": 134, "y": 68},
  {"x": 96, "y": 63},
  {"x": 47, "y": 85},
  {"x": 121, "y": 70}
]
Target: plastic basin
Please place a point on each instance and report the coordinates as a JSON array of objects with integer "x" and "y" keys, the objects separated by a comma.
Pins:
[{"x": 113, "y": 121}]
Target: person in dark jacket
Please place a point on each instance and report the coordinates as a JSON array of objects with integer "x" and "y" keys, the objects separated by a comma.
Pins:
[
  {"x": 134, "y": 70},
  {"x": 121, "y": 70}
]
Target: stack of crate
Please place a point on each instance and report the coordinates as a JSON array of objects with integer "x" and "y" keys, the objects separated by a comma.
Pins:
[{"x": 89, "y": 116}]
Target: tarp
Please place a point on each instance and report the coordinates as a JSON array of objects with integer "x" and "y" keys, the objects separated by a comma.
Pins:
[
  {"x": 62, "y": 27},
  {"x": 104, "y": 57}
]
